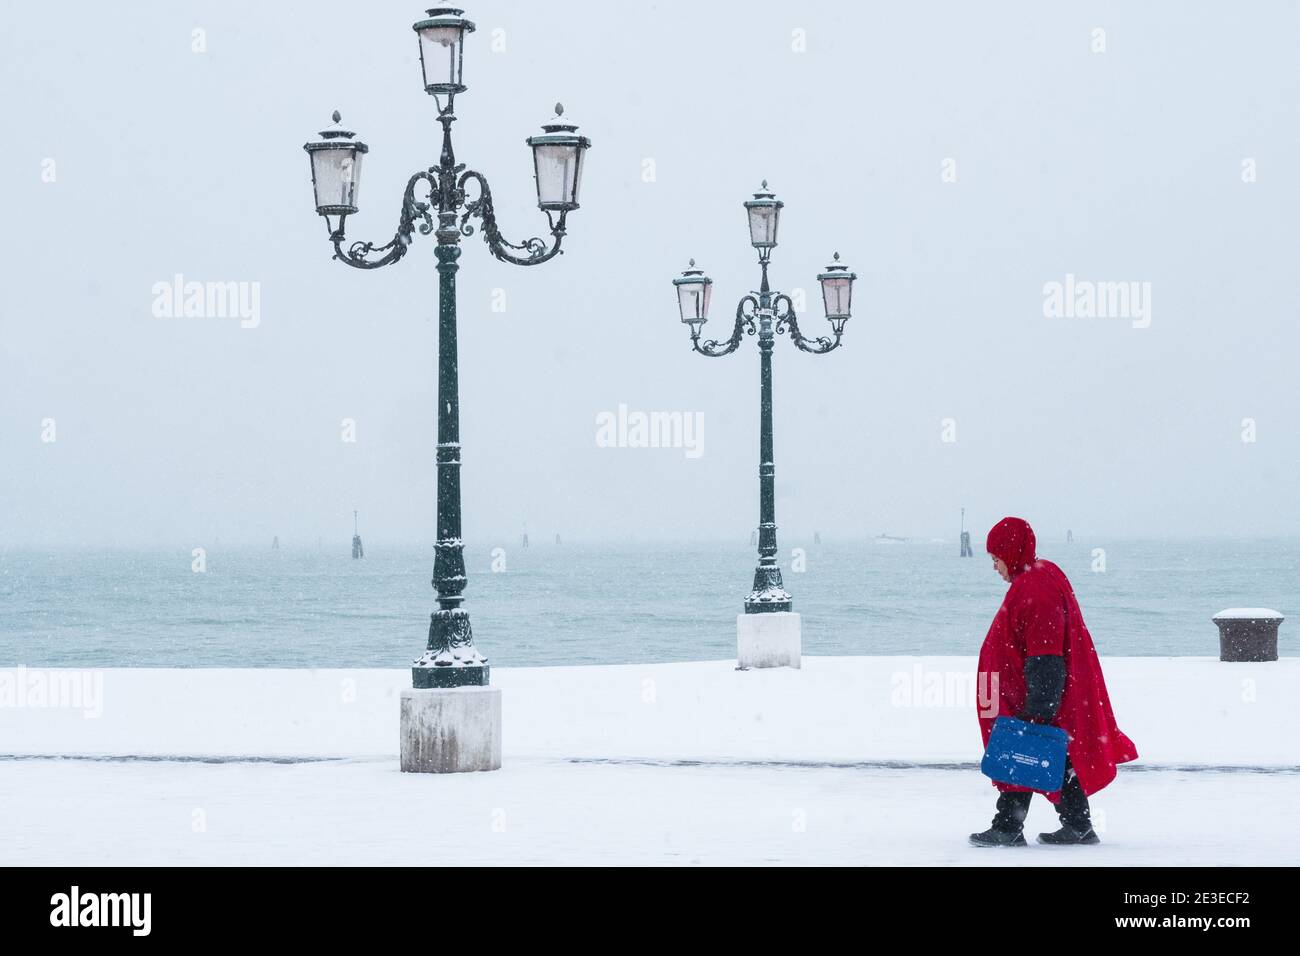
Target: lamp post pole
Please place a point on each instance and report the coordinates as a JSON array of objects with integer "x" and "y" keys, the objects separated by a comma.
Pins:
[
  {"x": 450, "y": 658},
  {"x": 767, "y": 314},
  {"x": 769, "y": 592}
]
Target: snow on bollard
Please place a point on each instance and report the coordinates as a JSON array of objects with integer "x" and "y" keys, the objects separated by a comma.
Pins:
[
  {"x": 1248, "y": 633},
  {"x": 451, "y": 729},
  {"x": 768, "y": 640}
]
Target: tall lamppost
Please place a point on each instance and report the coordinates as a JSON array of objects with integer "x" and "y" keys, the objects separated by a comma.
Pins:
[
  {"x": 770, "y": 642},
  {"x": 439, "y": 192}
]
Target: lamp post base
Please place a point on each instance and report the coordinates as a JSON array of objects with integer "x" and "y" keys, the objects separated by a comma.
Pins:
[
  {"x": 768, "y": 602},
  {"x": 425, "y": 674},
  {"x": 774, "y": 639},
  {"x": 451, "y": 659},
  {"x": 451, "y": 730},
  {"x": 769, "y": 594}
]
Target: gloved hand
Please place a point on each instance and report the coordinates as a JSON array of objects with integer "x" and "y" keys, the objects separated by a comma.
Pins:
[{"x": 1044, "y": 687}]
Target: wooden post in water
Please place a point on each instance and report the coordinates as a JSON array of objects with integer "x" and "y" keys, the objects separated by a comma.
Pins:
[
  {"x": 966, "y": 551},
  {"x": 357, "y": 550}
]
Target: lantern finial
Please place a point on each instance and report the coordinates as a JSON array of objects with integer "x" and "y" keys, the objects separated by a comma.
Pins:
[
  {"x": 559, "y": 109},
  {"x": 337, "y": 117}
]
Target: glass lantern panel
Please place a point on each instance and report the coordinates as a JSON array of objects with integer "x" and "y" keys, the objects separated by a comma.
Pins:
[
  {"x": 577, "y": 177},
  {"x": 836, "y": 293},
  {"x": 440, "y": 52},
  {"x": 693, "y": 301},
  {"x": 762, "y": 225},
  {"x": 338, "y": 176},
  {"x": 557, "y": 173}
]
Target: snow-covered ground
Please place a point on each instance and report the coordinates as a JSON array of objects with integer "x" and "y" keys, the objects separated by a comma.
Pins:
[{"x": 849, "y": 760}]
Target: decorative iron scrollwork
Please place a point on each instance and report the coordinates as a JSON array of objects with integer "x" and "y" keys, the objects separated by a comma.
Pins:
[
  {"x": 415, "y": 214},
  {"x": 533, "y": 251},
  {"x": 744, "y": 323},
  {"x": 818, "y": 346}
]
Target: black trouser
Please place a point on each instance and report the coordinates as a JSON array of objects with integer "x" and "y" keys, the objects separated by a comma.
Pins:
[{"x": 1073, "y": 808}]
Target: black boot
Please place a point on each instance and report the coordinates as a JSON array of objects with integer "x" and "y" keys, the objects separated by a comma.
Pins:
[
  {"x": 1070, "y": 836},
  {"x": 1007, "y": 823},
  {"x": 995, "y": 837},
  {"x": 1076, "y": 817}
]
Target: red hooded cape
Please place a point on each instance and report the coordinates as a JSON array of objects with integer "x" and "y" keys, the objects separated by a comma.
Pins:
[{"x": 1040, "y": 615}]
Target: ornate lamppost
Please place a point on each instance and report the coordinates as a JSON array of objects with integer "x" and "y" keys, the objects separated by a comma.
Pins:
[
  {"x": 763, "y": 641},
  {"x": 436, "y": 201}
]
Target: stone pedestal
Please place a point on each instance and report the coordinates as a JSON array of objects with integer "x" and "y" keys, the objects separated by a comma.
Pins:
[
  {"x": 451, "y": 730},
  {"x": 768, "y": 640},
  {"x": 1248, "y": 633}
]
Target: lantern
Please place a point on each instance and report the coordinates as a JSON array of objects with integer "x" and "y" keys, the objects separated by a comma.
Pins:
[
  {"x": 557, "y": 163},
  {"x": 837, "y": 293},
  {"x": 336, "y": 169},
  {"x": 764, "y": 216},
  {"x": 442, "y": 49},
  {"x": 694, "y": 289}
]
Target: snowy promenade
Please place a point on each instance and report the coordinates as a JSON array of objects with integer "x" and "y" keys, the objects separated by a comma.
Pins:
[{"x": 849, "y": 761}]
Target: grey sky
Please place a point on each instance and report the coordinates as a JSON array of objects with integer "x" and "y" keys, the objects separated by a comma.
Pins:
[{"x": 1116, "y": 166}]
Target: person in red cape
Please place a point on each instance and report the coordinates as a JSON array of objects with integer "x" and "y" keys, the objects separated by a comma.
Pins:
[{"x": 1039, "y": 661}]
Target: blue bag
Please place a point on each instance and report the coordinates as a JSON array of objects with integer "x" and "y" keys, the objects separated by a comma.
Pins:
[{"x": 1025, "y": 754}]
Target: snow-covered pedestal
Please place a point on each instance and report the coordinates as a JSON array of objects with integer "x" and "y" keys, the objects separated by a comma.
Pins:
[
  {"x": 451, "y": 730},
  {"x": 768, "y": 640},
  {"x": 1248, "y": 633}
]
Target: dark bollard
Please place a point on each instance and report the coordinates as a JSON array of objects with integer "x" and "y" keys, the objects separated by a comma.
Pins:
[{"x": 1248, "y": 633}]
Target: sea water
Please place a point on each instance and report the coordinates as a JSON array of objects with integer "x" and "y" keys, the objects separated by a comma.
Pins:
[{"x": 590, "y": 603}]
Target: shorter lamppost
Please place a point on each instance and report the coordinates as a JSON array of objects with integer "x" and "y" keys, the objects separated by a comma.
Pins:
[{"x": 768, "y": 633}]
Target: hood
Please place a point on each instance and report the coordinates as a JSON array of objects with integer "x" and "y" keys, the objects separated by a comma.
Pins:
[{"x": 1012, "y": 540}]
